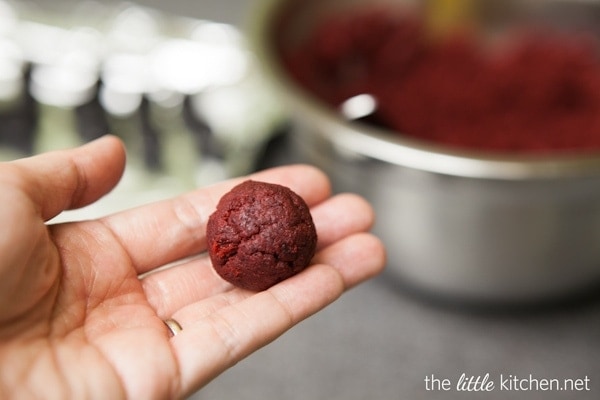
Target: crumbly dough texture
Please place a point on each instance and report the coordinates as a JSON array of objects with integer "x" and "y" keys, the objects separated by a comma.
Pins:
[{"x": 260, "y": 234}]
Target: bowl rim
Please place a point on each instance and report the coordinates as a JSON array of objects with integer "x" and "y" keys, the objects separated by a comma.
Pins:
[{"x": 387, "y": 146}]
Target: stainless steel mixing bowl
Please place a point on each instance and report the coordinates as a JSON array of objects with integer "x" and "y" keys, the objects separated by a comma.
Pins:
[{"x": 466, "y": 225}]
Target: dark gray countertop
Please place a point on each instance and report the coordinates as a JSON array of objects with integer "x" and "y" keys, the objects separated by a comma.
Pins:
[{"x": 379, "y": 342}]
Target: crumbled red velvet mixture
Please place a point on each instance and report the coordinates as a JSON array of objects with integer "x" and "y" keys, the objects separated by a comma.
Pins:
[{"x": 539, "y": 91}]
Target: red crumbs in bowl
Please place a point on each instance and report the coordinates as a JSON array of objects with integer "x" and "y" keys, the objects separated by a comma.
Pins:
[{"x": 536, "y": 92}]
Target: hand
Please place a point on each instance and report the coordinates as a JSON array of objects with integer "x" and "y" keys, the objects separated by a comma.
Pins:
[{"x": 82, "y": 304}]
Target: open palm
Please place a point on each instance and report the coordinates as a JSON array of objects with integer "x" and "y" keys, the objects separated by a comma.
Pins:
[{"x": 82, "y": 304}]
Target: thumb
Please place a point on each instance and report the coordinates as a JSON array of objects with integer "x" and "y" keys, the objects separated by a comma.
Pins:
[{"x": 66, "y": 179}]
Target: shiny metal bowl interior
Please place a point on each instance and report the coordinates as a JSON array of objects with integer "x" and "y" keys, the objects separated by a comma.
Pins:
[{"x": 459, "y": 223}]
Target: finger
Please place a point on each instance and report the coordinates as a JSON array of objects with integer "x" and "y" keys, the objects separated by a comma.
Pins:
[
  {"x": 170, "y": 289},
  {"x": 213, "y": 338},
  {"x": 340, "y": 216},
  {"x": 65, "y": 179},
  {"x": 357, "y": 257},
  {"x": 163, "y": 232}
]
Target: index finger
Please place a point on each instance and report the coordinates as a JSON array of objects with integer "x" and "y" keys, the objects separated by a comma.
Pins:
[
  {"x": 67, "y": 179},
  {"x": 159, "y": 233}
]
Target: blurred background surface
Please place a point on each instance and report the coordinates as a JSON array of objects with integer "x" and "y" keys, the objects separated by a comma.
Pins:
[{"x": 381, "y": 340}]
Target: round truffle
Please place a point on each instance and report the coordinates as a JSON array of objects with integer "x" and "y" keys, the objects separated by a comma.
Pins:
[{"x": 260, "y": 234}]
